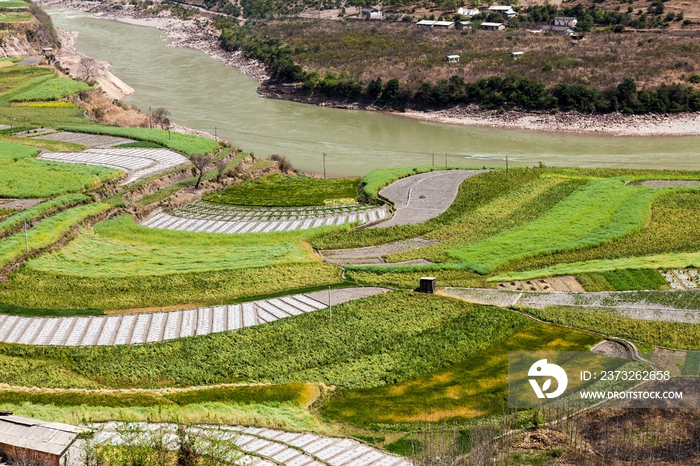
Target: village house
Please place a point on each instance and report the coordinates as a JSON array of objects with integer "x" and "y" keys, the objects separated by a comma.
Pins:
[
  {"x": 463, "y": 25},
  {"x": 452, "y": 59},
  {"x": 492, "y": 26},
  {"x": 426, "y": 23},
  {"x": 517, "y": 55},
  {"x": 371, "y": 13},
  {"x": 506, "y": 11},
  {"x": 566, "y": 21},
  {"x": 30, "y": 441}
]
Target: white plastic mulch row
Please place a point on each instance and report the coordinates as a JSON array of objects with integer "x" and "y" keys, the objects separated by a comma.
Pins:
[
  {"x": 133, "y": 329},
  {"x": 139, "y": 163},
  {"x": 262, "y": 447},
  {"x": 682, "y": 279},
  {"x": 170, "y": 222},
  {"x": 211, "y": 211}
]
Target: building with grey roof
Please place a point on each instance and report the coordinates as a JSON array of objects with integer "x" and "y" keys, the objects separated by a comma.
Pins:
[{"x": 38, "y": 442}]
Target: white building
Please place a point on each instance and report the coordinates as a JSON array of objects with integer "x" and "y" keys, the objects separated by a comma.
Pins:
[
  {"x": 506, "y": 11},
  {"x": 492, "y": 26},
  {"x": 371, "y": 13},
  {"x": 468, "y": 12}
]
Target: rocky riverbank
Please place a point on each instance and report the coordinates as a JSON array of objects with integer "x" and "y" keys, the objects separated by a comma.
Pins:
[{"x": 199, "y": 35}]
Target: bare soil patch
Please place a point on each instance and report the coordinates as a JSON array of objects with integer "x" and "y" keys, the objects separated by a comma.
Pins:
[{"x": 563, "y": 283}]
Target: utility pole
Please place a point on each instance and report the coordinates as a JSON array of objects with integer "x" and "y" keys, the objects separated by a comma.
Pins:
[
  {"x": 150, "y": 117},
  {"x": 215, "y": 131},
  {"x": 433, "y": 159},
  {"x": 25, "y": 125},
  {"x": 445, "y": 159},
  {"x": 168, "y": 133},
  {"x": 506, "y": 164},
  {"x": 26, "y": 238},
  {"x": 330, "y": 305},
  {"x": 324, "y": 171}
]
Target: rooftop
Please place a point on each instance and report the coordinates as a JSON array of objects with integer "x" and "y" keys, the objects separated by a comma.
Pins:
[{"x": 47, "y": 437}]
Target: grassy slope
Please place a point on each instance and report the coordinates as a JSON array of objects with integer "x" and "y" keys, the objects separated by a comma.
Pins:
[
  {"x": 623, "y": 280},
  {"x": 121, "y": 248},
  {"x": 40, "y": 209},
  {"x": 600, "y": 211},
  {"x": 371, "y": 342},
  {"x": 280, "y": 190},
  {"x": 49, "y": 90},
  {"x": 473, "y": 387},
  {"x": 46, "y": 232},
  {"x": 19, "y": 172}
]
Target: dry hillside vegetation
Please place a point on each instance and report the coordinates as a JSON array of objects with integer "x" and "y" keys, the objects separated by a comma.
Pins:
[{"x": 411, "y": 54}]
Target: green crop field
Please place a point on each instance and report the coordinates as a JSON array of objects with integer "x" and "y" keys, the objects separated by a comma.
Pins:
[
  {"x": 46, "y": 232},
  {"x": 623, "y": 280},
  {"x": 19, "y": 172},
  {"x": 280, "y": 190},
  {"x": 120, "y": 248},
  {"x": 369, "y": 343},
  {"x": 596, "y": 213},
  {"x": 12, "y": 4},
  {"x": 51, "y": 89},
  {"x": 40, "y": 209},
  {"x": 185, "y": 143},
  {"x": 53, "y": 146},
  {"x": 476, "y": 386}
]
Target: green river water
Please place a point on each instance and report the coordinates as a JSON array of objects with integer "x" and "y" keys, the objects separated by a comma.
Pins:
[{"x": 204, "y": 94}]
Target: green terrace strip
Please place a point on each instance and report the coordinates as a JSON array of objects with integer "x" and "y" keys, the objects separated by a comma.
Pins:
[
  {"x": 280, "y": 190},
  {"x": 673, "y": 229},
  {"x": 623, "y": 280},
  {"x": 18, "y": 79},
  {"x": 297, "y": 393},
  {"x": 19, "y": 172},
  {"x": 185, "y": 143},
  {"x": 370, "y": 342},
  {"x": 46, "y": 232},
  {"x": 121, "y": 248},
  {"x": 53, "y": 146},
  {"x": 600, "y": 211},
  {"x": 680, "y": 260},
  {"x": 517, "y": 207},
  {"x": 21, "y": 372},
  {"x": 72, "y": 295},
  {"x": 50, "y": 89},
  {"x": 475, "y": 386},
  {"x": 473, "y": 193},
  {"x": 47, "y": 104},
  {"x": 669, "y": 334},
  {"x": 38, "y": 210}
]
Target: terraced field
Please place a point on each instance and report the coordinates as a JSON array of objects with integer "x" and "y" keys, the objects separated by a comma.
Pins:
[
  {"x": 217, "y": 218},
  {"x": 264, "y": 447},
  {"x": 139, "y": 163},
  {"x": 131, "y": 329},
  {"x": 89, "y": 140},
  {"x": 687, "y": 279}
]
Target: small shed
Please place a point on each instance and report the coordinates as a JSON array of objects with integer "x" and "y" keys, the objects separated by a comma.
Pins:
[
  {"x": 31, "y": 441},
  {"x": 559, "y": 30},
  {"x": 427, "y": 285},
  {"x": 492, "y": 26},
  {"x": 567, "y": 21},
  {"x": 517, "y": 55},
  {"x": 452, "y": 59},
  {"x": 444, "y": 24},
  {"x": 47, "y": 50},
  {"x": 463, "y": 25},
  {"x": 426, "y": 23},
  {"x": 371, "y": 13}
]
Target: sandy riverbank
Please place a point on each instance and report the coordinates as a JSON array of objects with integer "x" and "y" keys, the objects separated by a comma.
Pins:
[{"x": 197, "y": 35}]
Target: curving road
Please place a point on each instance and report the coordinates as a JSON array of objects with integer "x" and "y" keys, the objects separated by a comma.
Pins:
[{"x": 421, "y": 197}]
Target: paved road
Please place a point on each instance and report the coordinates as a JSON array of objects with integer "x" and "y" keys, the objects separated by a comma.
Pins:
[
  {"x": 421, "y": 197},
  {"x": 260, "y": 447},
  {"x": 131, "y": 329}
]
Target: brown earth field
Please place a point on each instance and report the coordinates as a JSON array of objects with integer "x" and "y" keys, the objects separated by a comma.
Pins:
[{"x": 367, "y": 50}]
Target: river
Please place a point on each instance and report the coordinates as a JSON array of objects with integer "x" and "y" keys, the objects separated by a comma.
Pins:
[{"x": 204, "y": 94}]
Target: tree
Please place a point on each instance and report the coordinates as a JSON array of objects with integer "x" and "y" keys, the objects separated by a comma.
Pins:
[
  {"x": 160, "y": 115},
  {"x": 186, "y": 454},
  {"x": 375, "y": 88},
  {"x": 89, "y": 67},
  {"x": 392, "y": 90},
  {"x": 200, "y": 163}
]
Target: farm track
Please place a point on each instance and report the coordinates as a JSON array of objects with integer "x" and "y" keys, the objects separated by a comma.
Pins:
[
  {"x": 619, "y": 303},
  {"x": 265, "y": 447},
  {"x": 205, "y": 217},
  {"x": 138, "y": 163},
  {"x": 419, "y": 198},
  {"x": 130, "y": 329}
]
